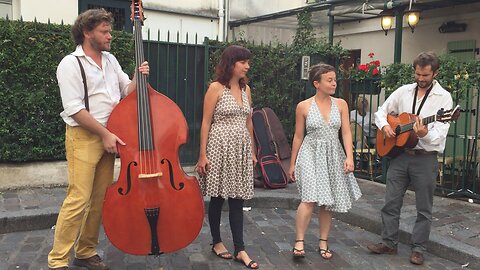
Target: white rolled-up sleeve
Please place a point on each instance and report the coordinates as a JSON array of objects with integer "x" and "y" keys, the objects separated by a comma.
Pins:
[
  {"x": 123, "y": 79},
  {"x": 71, "y": 87},
  {"x": 389, "y": 106}
]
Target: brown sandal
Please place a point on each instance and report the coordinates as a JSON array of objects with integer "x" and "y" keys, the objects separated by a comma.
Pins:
[
  {"x": 323, "y": 252},
  {"x": 298, "y": 253}
]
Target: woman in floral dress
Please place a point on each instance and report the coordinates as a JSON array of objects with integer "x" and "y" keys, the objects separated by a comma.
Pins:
[
  {"x": 320, "y": 165},
  {"x": 227, "y": 158}
]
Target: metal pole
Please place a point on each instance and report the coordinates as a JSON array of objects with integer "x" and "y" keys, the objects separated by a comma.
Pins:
[
  {"x": 397, "y": 53},
  {"x": 330, "y": 28}
]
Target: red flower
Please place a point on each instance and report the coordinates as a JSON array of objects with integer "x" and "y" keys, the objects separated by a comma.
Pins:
[{"x": 368, "y": 70}]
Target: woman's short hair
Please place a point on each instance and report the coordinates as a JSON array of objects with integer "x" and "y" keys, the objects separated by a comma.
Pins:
[
  {"x": 316, "y": 71},
  {"x": 87, "y": 21},
  {"x": 229, "y": 57}
]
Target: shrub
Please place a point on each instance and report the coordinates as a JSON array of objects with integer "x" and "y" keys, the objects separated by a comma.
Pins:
[{"x": 30, "y": 126}]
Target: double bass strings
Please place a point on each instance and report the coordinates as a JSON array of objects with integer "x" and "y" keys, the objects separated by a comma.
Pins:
[{"x": 148, "y": 162}]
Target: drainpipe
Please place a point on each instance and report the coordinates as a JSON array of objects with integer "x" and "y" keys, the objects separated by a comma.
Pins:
[
  {"x": 227, "y": 19},
  {"x": 221, "y": 20},
  {"x": 330, "y": 27}
]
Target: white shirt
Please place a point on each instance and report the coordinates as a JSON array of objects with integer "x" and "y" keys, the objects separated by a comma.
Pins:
[
  {"x": 364, "y": 121},
  {"x": 105, "y": 85},
  {"x": 402, "y": 101}
]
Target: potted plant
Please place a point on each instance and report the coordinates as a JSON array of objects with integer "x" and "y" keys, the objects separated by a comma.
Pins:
[{"x": 364, "y": 79}]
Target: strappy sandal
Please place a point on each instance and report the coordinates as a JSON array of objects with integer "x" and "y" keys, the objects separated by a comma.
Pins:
[
  {"x": 298, "y": 253},
  {"x": 248, "y": 265},
  {"x": 324, "y": 252},
  {"x": 224, "y": 255}
]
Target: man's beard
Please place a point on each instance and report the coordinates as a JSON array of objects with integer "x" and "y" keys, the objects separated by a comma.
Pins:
[
  {"x": 99, "y": 46},
  {"x": 424, "y": 84}
]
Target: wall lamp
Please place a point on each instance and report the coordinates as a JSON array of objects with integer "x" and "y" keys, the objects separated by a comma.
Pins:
[
  {"x": 386, "y": 17},
  {"x": 413, "y": 16}
]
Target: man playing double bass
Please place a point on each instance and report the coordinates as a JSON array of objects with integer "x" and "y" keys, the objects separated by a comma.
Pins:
[
  {"x": 418, "y": 166},
  {"x": 88, "y": 101}
]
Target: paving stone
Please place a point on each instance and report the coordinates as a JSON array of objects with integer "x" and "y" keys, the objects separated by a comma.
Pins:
[{"x": 269, "y": 234}]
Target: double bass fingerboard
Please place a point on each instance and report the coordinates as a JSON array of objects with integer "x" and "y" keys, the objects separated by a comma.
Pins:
[{"x": 143, "y": 102}]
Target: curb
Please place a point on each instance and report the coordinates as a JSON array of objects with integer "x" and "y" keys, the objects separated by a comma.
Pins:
[{"x": 438, "y": 245}]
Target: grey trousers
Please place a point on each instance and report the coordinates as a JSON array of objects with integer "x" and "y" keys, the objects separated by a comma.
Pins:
[{"x": 421, "y": 172}]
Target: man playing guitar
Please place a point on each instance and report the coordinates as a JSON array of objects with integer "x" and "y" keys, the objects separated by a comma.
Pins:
[{"x": 417, "y": 166}]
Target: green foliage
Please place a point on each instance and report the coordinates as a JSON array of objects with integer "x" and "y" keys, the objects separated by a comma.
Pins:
[
  {"x": 455, "y": 76},
  {"x": 458, "y": 77},
  {"x": 396, "y": 75},
  {"x": 30, "y": 126},
  {"x": 275, "y": 69},
  {"x": 305, "y": 41}
]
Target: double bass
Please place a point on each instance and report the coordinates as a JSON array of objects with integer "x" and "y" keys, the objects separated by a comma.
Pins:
[{"x": 154, "y": 207}]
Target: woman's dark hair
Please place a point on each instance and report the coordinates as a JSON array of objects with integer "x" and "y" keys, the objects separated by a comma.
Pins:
[
  {"x": 229, "y": 57},
  {"x": 316, "y": 71},
  {"x": 87, "y": 21},
  {"x": 427, "y": 59}
]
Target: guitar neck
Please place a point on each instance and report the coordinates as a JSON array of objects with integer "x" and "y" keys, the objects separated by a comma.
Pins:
[{"x": 427, "y": 120}]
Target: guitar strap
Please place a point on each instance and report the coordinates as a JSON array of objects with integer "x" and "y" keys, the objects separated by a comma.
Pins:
[{"x": 423, "y": 100}]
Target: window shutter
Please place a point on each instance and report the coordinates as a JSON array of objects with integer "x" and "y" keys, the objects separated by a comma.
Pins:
[{"x": 463, "y": 50}]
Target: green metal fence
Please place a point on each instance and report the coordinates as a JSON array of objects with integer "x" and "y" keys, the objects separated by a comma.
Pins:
[{"x": 181, "y": 72}]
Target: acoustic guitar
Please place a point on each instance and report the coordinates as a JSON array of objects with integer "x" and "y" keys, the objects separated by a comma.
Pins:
[{"x": 405, "y": 136}]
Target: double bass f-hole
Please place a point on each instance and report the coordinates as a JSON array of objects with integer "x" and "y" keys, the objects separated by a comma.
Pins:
[
  {"x": 129, "y": 179},
  {"x": 170, "y": 173}
]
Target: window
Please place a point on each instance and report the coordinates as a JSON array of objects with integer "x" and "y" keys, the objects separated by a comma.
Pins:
[
  {"x": 6, "y": 8},
  {"x": 118, "y": 15},
  {"x": 119, "y": 8}
]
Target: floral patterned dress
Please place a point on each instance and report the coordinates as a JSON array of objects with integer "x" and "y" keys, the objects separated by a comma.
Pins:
[
  {"x": 319, "y": 166},
  {"x": 229, "y": 150}
]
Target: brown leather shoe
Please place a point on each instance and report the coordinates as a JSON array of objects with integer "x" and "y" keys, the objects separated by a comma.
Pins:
[
  {"x": 416, "y": 258},
  {"x": 92, "y": 263},
  {"x": 381, "y": 248}
]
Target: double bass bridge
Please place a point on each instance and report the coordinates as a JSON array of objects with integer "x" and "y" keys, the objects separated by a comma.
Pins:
[{"x": 149, "y": 175}]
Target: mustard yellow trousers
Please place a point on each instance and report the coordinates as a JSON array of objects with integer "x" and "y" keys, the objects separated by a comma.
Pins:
[{"x": 90, "y": 172}]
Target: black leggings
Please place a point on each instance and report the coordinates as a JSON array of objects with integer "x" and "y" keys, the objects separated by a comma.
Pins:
[{"x": 236, "y": 220}]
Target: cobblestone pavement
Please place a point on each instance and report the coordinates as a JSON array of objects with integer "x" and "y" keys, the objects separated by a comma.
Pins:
[
  {"x": 455, "y": 231},
  {"x": 269, "y": 234}
]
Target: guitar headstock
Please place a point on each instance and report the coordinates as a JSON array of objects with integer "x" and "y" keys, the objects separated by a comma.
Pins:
[
  {"x": 137, "y": 11},
  {"x": 448, "y": 115}
]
